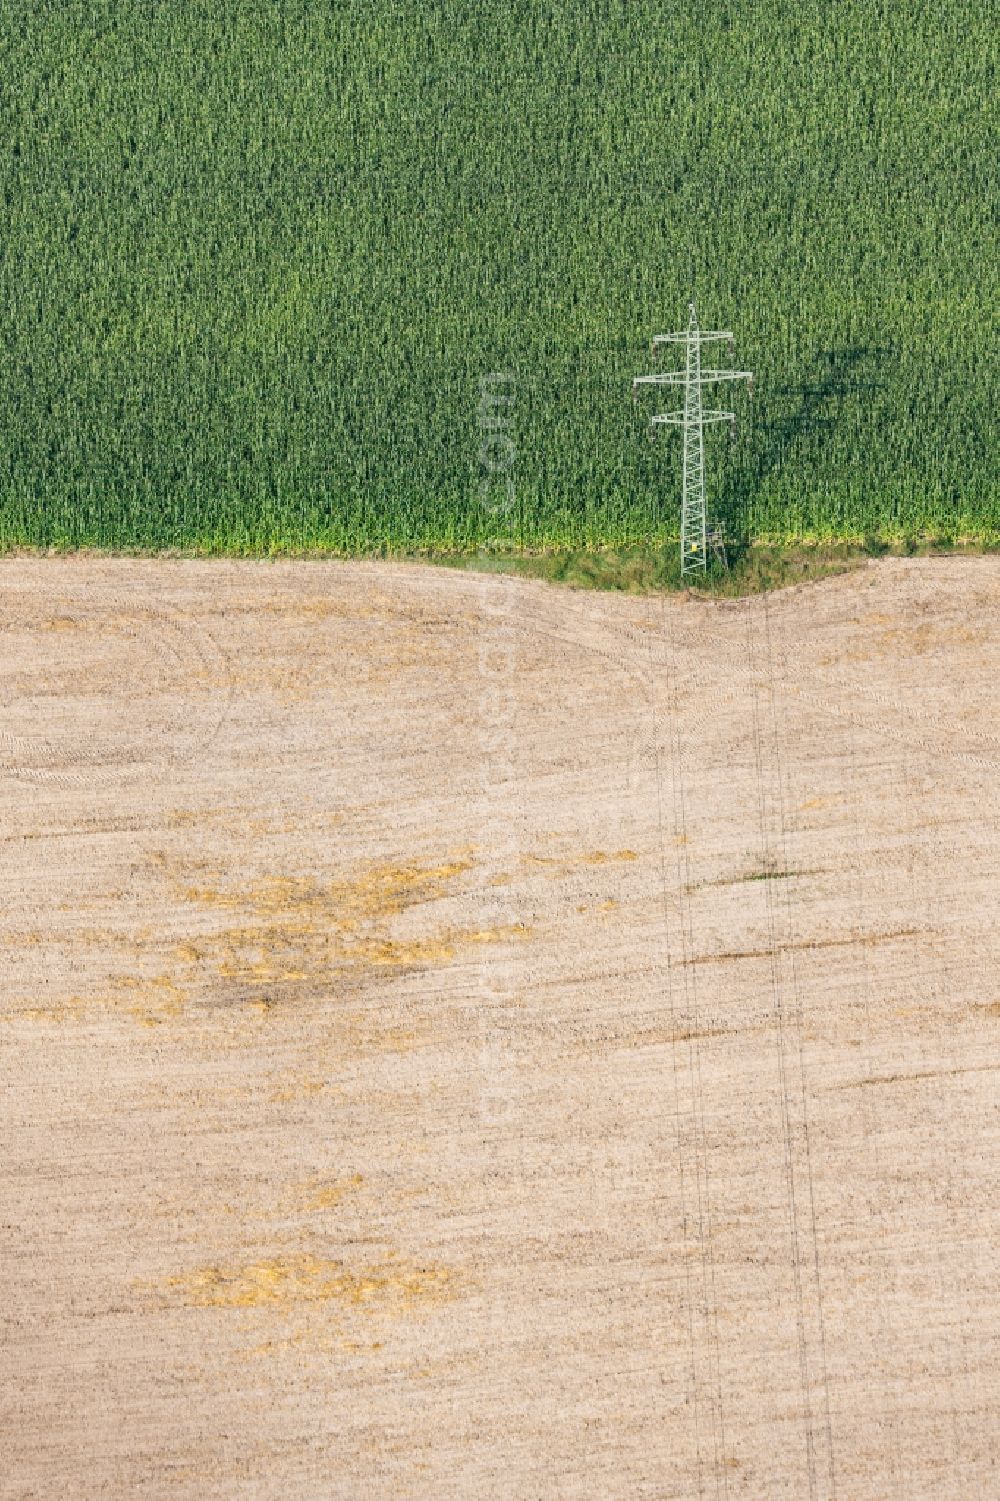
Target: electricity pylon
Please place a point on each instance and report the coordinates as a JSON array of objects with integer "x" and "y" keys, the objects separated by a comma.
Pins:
[{"x": 694, "y": 521}]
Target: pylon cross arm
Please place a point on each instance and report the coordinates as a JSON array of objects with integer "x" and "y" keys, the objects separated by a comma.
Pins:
[
  {"x": 664, "y": 378},
  {"x": 710, "y": 375},
  {"x": 689, "y": 337}
]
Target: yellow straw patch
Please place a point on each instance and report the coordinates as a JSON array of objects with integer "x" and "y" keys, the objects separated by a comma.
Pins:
[{"x": 389, "y": 1286}]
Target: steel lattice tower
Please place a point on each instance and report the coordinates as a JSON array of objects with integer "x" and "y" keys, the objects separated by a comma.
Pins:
[{"x": 694, "y": 520}]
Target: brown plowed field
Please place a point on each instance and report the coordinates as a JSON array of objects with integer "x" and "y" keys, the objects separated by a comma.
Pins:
[{"x": 465, "y": 1039}]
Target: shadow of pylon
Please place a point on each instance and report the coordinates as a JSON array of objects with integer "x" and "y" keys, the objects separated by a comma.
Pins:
[{"x": 816, "y": 407}]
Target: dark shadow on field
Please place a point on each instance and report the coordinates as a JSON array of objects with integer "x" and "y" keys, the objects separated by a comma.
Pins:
[{"x": 807, "y": 412}]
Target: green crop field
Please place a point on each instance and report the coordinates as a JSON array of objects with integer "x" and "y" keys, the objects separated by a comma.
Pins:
[{"x": 257, "y": 258}]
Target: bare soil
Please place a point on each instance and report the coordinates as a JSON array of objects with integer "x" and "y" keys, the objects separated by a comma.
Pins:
[{"x": 468, "y": 1039}]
